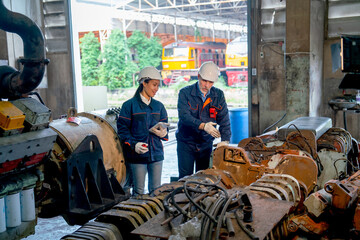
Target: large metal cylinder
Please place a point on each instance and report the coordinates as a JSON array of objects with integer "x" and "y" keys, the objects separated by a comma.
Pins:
[{"x": 100, "y": 124}]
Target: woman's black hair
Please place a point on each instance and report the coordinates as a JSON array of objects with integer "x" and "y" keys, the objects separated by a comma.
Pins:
[{"x": 141, "y": 87}]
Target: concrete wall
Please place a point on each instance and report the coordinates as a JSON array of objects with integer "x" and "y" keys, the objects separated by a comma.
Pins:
[{"x": 270, "y": 85}]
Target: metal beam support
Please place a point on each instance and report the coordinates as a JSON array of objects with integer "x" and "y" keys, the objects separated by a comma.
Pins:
[
  {"x": 224, "y": 8},
  {"x": 175, "y": 32},
  {"x": 128, "y": 25},
  {"x": 152, "y": 28},
  {"x": 213, "y": 32},
  {"x": 129, "y": 15},
  {"x": 151, "y": 5},
  {"x": 192, "y": 3}
]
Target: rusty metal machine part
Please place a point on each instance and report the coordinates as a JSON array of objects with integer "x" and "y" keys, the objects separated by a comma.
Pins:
[
  {"x": 332, "y": 211},
  {"x": 209, "y": 205},
  {"x": 292, "y": 162},
  {"x": 330, "y": 151},
  {"x": 304, "y": 222},
  {"x": 336, "y": 139},
  {"x": 278, "y": 186},
  {"x": 261, "y": 147},
  {"x": 99, "y": 124},
  {"x": 317, "y": 202}
]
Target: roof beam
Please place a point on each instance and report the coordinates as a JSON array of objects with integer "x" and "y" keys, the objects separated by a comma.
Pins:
[
  {"x": 216, "y": 4},
  {"x": 210, "y": 9},
  {"x": 149, "y": 4},
  {"x": 180, "y": 21}
]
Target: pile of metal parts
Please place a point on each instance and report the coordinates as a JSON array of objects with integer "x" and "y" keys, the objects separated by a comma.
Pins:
[{"x": 300, "y": 182}]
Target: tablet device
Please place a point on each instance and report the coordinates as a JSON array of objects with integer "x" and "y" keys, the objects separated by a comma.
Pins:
[{"x": 159, "y": 126}]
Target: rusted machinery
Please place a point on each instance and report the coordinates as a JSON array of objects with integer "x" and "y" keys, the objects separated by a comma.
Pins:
[{"x": 299, "y": 182}]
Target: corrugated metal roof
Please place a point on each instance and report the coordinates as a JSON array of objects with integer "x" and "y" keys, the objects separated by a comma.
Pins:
[
  {"x": 343, "y": 18},
  {"x": 273, "y": 18}
]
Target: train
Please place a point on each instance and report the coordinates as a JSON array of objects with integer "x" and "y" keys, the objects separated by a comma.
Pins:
[
  {"x": 236, "y": 61},
  {"x": 184, "y": 59}
]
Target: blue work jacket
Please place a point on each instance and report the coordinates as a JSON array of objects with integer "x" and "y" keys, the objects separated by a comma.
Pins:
[
  {"x": 193, "y": 111},
  {"x": 135, "y": 120}
]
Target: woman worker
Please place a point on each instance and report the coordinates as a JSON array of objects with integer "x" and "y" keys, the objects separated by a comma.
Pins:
[{"x": 143, "y": 149}]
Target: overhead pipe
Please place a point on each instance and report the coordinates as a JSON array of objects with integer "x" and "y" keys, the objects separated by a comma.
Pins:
[{"x": 14, "y": 83}]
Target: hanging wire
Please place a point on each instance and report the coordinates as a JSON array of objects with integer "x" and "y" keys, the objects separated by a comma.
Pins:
[{"x": 316, "y": 159}]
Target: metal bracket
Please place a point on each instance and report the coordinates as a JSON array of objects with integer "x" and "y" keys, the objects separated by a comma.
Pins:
[{"x": 90, "y": 190}]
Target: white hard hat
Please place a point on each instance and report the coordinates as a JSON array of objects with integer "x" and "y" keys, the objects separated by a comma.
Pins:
[
  {"x": 209, "y": 71},
  {"x": 149, "y": 73}
]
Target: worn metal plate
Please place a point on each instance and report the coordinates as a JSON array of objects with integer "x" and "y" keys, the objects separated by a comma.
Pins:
[
  {"x": 137, "y": 209},
  {"x": 36, "y": 113},
  {"x": 158, "y": 203},
  {"x": 318, "y": 125},
  {"x": 26, "y": 144},
  {"x": 153, "y": 227},
  {"x": 140, "y": 203}
]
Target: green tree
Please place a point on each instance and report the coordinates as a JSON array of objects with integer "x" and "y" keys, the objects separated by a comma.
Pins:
[
  {"x": 90, "y": 52},
  {"x": 117, "y": 68},
  {"x": 147, "y": 50}
]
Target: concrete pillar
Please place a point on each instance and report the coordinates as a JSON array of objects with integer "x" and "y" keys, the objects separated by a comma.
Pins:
[{"x": 297, "y": 58}]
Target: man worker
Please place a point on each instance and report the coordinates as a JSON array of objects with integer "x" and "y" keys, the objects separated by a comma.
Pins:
[{"x": 201, "y": 107}]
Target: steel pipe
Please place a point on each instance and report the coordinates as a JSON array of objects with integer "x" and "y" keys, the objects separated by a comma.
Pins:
[{"x": 14, "y": 83}]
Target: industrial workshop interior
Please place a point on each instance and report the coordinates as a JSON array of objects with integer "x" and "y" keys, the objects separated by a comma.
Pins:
[{"x": 289, "y": 72}]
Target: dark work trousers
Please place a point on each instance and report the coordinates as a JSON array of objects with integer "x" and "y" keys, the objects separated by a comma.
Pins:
[
  {"x": 190, "y": 154},
  {"x": 129, "y": 182}
]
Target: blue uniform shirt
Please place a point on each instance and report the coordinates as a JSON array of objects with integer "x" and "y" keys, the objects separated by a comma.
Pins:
[
  {"x": 193, "y": 111},
  {"x": 135, "y": 120}
]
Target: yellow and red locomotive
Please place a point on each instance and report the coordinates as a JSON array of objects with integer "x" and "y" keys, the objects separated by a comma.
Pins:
[{"x": 184, "y": 58}]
